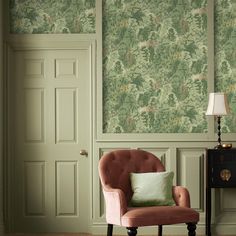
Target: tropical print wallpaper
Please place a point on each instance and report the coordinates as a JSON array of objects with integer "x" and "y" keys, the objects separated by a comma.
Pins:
[
  {"x": 52, "y": 16},
  {"x": 154, "y": 66},
  {"x": 225, "y": 57}
]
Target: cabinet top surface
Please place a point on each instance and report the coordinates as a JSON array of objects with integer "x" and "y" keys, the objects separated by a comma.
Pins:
[{"x": 222, "y": 150}]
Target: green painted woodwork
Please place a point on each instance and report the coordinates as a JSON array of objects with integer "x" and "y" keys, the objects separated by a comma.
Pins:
[
  {"x": 52, "y": 16},
  {"x": 155, "y": 66},
  {"x": 225, "y": 57}
]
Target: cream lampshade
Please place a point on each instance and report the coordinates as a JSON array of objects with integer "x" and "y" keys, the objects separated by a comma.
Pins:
[{"x": 217, "y": 106}]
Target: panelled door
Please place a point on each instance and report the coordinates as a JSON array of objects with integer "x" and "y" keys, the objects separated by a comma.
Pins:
[{"x": 51, "y": 133}]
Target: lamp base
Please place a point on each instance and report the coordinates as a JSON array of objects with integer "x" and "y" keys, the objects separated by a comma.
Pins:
[{"x": 219, "y": 145}]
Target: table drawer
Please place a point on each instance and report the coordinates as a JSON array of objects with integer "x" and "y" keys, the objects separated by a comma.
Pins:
[
  {"x": 222, "y": 168},
  {"x": 224, "y": 175}
]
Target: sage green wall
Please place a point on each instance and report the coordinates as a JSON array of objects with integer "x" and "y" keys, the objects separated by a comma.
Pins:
[
  {"x": 225, "y": 56},
  {"x": 154, "y": 57},
  {"x": 52, "y": 16}
]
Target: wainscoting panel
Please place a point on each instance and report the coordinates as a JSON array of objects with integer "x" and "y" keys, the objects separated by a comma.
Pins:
[
  {"x": 162, "y": 153},
  {"x": 186, "y": 162},
  {"x": 190, "y": 173},
  {"x": 228, "y": 203}
]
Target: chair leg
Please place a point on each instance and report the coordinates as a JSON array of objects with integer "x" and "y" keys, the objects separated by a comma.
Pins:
[
  {"x": 159, "y": 230},
  {"x": 191, "y": 229},
  {"x": 132, "y": 231},
  {"x": 109, "y": 229}
]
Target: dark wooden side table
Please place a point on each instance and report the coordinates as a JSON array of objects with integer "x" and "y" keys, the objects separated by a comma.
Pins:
[{"x": 220, "y": 173}]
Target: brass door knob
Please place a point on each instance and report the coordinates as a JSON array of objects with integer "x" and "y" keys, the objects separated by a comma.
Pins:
[
  {"x": 83, "y": 152},
  {"x": 225, "y": 174}
]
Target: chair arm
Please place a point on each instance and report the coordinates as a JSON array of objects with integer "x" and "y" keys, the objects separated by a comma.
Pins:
[
  {"x": 116, "y": 205},
  {"x": 181, "y": 196}
]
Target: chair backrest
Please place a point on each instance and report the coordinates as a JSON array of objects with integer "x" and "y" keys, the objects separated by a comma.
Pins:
[{"x": 115, "y": 168}]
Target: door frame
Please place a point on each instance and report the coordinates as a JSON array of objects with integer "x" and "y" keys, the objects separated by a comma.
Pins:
[
  {"x": 42, "y": 42},
  {"x": 1, "y": 120}
]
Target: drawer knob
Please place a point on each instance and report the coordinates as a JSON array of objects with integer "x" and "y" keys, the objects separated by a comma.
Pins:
[{"x": 225, "y": 174}]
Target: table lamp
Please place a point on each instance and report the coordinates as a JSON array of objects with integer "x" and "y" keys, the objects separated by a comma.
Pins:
[{"x": 217, "y": 106}]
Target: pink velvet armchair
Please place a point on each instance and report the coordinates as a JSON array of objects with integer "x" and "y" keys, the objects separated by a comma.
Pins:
[{"x": 114, "y": 171}]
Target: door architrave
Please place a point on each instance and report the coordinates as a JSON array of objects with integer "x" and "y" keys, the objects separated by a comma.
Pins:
[{"x": 40, "y": 42}]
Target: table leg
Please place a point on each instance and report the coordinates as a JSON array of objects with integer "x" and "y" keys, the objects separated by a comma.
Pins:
[{"x": 208, "y": 211}]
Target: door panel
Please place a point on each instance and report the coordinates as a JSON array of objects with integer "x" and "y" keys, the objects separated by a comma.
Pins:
[
  {"x": 51, "y": 106},
  {"x": 34, "y": 188},
  {"x": 66, "y": 115}
]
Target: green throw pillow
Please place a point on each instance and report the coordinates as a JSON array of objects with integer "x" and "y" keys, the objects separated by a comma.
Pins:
[{"x": 152, "y": 189}]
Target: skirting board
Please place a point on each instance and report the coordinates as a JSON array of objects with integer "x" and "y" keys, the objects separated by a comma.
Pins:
[
  {"x": 1, "y": 228},
  {"x": 180, "y": 229},
  {"x": 224, "y": 229},
  {"x": 219, "y": 229}
]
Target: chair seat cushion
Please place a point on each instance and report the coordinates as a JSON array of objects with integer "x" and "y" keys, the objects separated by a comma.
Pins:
[{"x": 158, "y": 215}]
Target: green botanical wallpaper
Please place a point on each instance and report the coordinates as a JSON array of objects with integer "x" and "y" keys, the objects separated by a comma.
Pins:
[
  {"x": 154, "y": 57},
  {"x": 52, "y": 16},
  {"x": 225, "y": 56},
  {"x": 154, "y": 66}
]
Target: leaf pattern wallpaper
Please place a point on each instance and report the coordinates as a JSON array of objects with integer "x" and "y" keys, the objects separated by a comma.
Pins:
[
  {"x": 154, "y": 57},
  {"x": 52, "y": 16},
  {"x": 225, "y": 57},
  {"x": 154, "y": 66}
]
